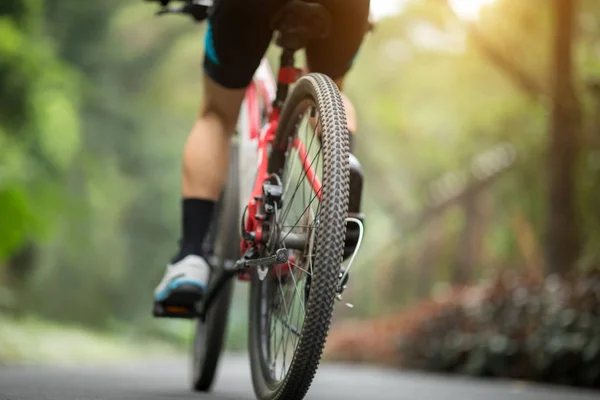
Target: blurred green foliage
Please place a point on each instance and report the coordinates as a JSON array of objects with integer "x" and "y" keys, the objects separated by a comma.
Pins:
[
  {"x": 96, "y": 99},
  {"x": 89, "y": 159},
  {"x": 39, "y": 126},
  {"x": 433, "y": 92}
]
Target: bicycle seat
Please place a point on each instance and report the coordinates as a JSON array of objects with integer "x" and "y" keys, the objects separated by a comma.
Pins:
[{"x": 299, "y": 21}]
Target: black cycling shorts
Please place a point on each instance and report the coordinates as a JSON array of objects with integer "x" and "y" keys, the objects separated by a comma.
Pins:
[{"x": 238, "y": 36}]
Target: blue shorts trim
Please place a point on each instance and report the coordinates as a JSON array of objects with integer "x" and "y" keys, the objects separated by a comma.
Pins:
[{"x": 209, "y": 44}]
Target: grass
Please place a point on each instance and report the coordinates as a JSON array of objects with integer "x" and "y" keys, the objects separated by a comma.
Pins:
[{"x": 30, "y": 340}]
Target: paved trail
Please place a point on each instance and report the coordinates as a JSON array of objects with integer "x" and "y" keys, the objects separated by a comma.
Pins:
[{"x": 167, "y": 380}]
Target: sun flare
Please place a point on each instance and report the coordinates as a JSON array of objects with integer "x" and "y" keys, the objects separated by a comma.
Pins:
[{"x": 469, "y": 9}]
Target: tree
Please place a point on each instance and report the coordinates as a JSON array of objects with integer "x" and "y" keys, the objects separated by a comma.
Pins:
[
  {"x": 39, "y": 132},
  {"x": 563, "y": 244}
]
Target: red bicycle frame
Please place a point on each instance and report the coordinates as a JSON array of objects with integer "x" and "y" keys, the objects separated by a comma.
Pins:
[{"x": 263, "y": 89}]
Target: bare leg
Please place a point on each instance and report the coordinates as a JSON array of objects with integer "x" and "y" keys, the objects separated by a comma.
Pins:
[
  {"x": 206, "y": 154},
  {"x": 205, "y": 165}
]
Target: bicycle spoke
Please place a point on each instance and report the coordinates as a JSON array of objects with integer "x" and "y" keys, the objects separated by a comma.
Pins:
[
  {"x": 294, "y": 162},
  {"x": 273, "y": 341},
  {"x": 287, "y": 210},
  {"x": 291, "y": 268},
  {"x": 298, "y": 317},
  {"x": 282, "y": 296},
  {"x": 291, "y": 328},
  {"x": 281, "y": 346},
  {"x": 302, "y": 175},
  {"x": 286, "y": 324},
  {"x": 296, "y": 266},
  {"x": 278, "y": 346},
  {"x": 293, "y": 275},
  {"x": 316, "y": 196},
  {"x": 310, "y": 258}
]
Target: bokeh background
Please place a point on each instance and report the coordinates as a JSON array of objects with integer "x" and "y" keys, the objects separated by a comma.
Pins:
[{"x": 479, "y": 133}]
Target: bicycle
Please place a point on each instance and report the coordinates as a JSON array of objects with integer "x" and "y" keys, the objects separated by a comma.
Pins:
[{"x": 289, "y": 252}]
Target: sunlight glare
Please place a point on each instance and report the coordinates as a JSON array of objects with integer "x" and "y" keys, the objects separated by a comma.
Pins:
[{"x": 469, "y": 9}]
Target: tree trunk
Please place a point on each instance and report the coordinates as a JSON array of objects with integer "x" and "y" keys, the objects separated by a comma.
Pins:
[
  {"x": 528, "y": 244},
  {"x": 470, "y": 244},
  {"x": 428, "y": 258},
  {"x": 19, "y": 269},
  {"x": 563, "y": 241}
]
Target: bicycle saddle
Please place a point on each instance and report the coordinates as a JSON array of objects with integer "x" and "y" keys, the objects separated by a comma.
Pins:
[{"x": 300, "y": 21}]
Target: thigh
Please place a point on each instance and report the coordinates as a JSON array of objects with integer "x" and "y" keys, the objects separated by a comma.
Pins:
[
  {"x": 237, "y": 38},
  {"x": 334, "y": 55}
]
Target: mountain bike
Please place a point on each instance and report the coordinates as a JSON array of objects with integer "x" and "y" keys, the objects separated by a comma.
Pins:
[{"x": 281, "y": 222}]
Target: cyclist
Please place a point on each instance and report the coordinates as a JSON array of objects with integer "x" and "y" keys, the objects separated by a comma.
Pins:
[{"x": 236, "y": 40}]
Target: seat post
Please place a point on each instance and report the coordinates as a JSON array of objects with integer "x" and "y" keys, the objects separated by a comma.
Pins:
[
  {"x": 288, "y": 74},
  {"x": 297, "y": 23}
]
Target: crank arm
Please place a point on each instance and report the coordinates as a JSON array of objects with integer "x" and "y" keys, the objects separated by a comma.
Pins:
[
  {"x": 230, "y": 271},
  {"x": 214, "y": 289},
  {"x": 279, "y": 257}
]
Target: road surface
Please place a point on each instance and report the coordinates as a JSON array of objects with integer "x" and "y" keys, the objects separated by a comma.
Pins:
[{"x": 167, "y": 380}]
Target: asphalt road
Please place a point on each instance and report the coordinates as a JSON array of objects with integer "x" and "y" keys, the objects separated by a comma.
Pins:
[{"x": 167, "y": 380}]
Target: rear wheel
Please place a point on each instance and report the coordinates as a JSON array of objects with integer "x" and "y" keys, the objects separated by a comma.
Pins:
[
  {"x": 291, "y": 305},
  {"x": 221, "y": 246}
]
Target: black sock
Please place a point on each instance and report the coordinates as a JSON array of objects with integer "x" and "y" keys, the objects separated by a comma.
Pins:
[{"x": 196, "y": 217}]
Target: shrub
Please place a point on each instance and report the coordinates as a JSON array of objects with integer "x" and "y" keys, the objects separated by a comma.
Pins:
[{"x": 514, "y": 326}]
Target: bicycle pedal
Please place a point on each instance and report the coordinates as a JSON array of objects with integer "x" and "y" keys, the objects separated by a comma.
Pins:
[{"x": 166, "y": 311}]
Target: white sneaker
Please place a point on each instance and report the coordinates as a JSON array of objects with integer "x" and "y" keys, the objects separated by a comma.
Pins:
[{"x": 184, "y": 283}]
